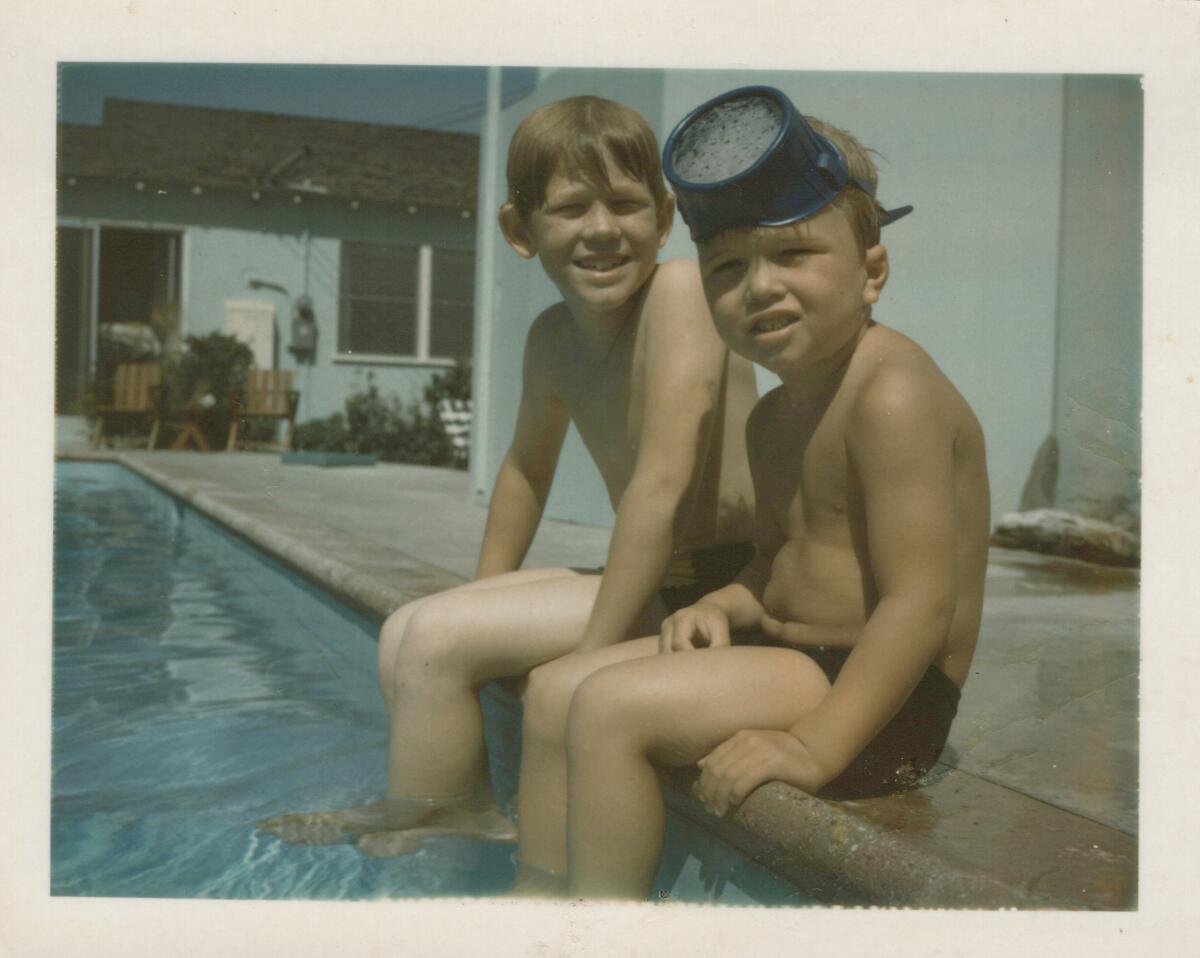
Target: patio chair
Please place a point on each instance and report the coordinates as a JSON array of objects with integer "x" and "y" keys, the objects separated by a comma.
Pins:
[
  {"x": 456, "y": 420},
  {"x": 137, "y": 394},
  {"x": 266, "y": 394}
]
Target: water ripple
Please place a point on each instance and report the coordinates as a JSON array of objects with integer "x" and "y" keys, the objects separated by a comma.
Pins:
[{"x": 198, "y": 689}]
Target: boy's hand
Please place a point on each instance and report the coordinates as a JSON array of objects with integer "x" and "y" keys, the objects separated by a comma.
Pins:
[
  {"x": 699, "y": 626},
  {"x": 750, "y": 758}
]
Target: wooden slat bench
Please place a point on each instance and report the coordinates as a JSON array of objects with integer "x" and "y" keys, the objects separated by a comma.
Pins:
[
  {"x": 137, "y": 394},
  {"x": 266, "y": 394}
]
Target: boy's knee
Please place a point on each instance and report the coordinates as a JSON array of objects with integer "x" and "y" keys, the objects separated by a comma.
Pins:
[
  {"x": 423, "y": 634},
  {"x": 391, "y": 633},
  {"x": 604, "y": 709},
  {"x": 434, "y": 638},
  {"x": 547, "y": 700}
]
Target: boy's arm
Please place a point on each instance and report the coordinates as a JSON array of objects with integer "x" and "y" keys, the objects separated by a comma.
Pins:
[
  {"x": 901, "y": 451},
  {"x": 523, "y": 482},
  {"x": 901, "y": 448},
  {"x": 708, "y": 622},
  {"x": 684, "y": 363}
]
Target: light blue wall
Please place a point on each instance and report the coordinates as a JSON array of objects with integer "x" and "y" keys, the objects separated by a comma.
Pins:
[
  {"x": 974, "y": 270},
  {"x": 521, "y": 291},
  {"x": 218, "y": 264},
  {"x": 229, "y": 239},
  {"x": 974, "y": 267},
  {"x": 1098, "y": 409}
]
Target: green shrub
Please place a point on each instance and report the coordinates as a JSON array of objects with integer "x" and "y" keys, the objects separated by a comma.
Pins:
[
  {"x": 453, "y": 383},
  {"x": 323, "y": 435},
  {"x": 214, "y": 365},
  {"x": 392, "y": 430}
]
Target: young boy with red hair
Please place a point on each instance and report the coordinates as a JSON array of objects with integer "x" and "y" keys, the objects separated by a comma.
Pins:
[{"x": 631, "y": 358}]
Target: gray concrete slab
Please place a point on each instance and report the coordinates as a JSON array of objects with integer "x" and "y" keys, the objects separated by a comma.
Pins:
[
  {"x": 1050, "y": 709},
  {"x": 1047, "y": 730},
  {"x": 419, "y": 511}
]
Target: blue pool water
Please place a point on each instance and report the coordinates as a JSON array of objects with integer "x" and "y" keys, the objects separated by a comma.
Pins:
[{"x": 199, "y": 687}]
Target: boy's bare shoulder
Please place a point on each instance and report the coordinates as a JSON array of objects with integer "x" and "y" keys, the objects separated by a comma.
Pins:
[
  {"x": 547, "y": 330},
  {"x": 549, "y": 323},
  {"x": 676, "y": 271},
  {"x": 897, "y": 385},
  {"x": 679, "y": 330},
  {"x": 675, "y": 283},
  {"x": 545, "y": 353}
]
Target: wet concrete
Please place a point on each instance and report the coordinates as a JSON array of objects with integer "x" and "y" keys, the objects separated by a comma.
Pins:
[
  {"x": 1051, "y": 707},
  {"x": 1034, "y": 806}
]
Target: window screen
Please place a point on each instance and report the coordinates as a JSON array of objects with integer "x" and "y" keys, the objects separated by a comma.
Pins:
[
  {"x": 452, "y": 312},
  {"x": 378, "y": 311}
]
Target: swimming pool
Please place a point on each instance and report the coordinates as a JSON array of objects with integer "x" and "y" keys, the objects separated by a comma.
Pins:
[{"x": 199, "y": 686}]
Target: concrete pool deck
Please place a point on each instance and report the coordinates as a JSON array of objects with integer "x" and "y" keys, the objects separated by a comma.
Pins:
[{"x": 1034, "y": 804}]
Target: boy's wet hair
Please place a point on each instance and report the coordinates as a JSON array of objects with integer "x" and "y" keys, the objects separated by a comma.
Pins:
[
  {"x": 571, "y": 138},
  {"x": 861, "y": 209}
]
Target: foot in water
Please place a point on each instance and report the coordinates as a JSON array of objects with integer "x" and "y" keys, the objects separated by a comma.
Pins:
[
  {"x": 533, "y": 882},
  {"x": 481, "y": 825},
  {"x": 333, "y": 828},
  {"x": 473, "y": 815}
]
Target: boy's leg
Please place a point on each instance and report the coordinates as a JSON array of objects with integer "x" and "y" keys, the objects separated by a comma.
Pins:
[
  {"x": 666, "y": 710},
  {"x": 453, "y": 643},
  {"x": 454, "y": 646},
  {"x": 542, "y": 795},
  {"x": 392, "y": 632}
]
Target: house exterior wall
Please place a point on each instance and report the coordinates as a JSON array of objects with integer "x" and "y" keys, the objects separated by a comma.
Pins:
[
  {"x": 520, "y": 290},
  {"x": 975, "y": 269},
  {"x": 1097, "y": 419},
  {"x": 975, "y": 266},
  {"x": 230, "y": 239},
  {"x": 218, "y": 263}
]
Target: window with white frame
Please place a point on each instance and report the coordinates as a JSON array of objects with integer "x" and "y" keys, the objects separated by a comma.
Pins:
[{"x": 405, "y": 302}]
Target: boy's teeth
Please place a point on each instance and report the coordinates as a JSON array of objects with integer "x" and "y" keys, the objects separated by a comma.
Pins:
[{"x": 600, "y": 264}]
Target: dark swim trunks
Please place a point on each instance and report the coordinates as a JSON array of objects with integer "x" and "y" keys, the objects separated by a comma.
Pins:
[
  {"x": 909, "y": 744},
  {"x": 694, "y": 575}
]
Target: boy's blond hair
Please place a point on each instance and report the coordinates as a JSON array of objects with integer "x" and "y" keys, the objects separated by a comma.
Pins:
[
  {"x": 861, "y": 209},
  {"x": 572, "y": 138}
]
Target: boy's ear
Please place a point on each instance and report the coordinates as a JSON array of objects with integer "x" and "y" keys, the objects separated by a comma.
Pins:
[
  {"x": 666, "y": 218},
  {"x": 875, "y": 262},
  {"x": 516, "y": 232}
]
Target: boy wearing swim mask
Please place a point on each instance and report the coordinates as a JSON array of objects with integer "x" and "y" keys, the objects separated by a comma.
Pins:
[{"x": 835, "y": 659}]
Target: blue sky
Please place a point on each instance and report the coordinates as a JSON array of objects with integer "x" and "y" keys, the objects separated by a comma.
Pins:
[{"x": 447, "y": 98}]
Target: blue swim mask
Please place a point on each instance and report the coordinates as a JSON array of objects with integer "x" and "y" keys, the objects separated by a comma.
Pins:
[{"x": 749, "y": 158}]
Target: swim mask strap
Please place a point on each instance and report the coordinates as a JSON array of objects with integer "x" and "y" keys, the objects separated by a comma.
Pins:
[{"x": 749, "y": 158}]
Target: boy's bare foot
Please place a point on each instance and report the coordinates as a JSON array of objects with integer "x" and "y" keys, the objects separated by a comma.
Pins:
[
  {"x": 481, "y": 825},
  {"x": 347, "y": 825},
  {"x": 534, "y": 882}
]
